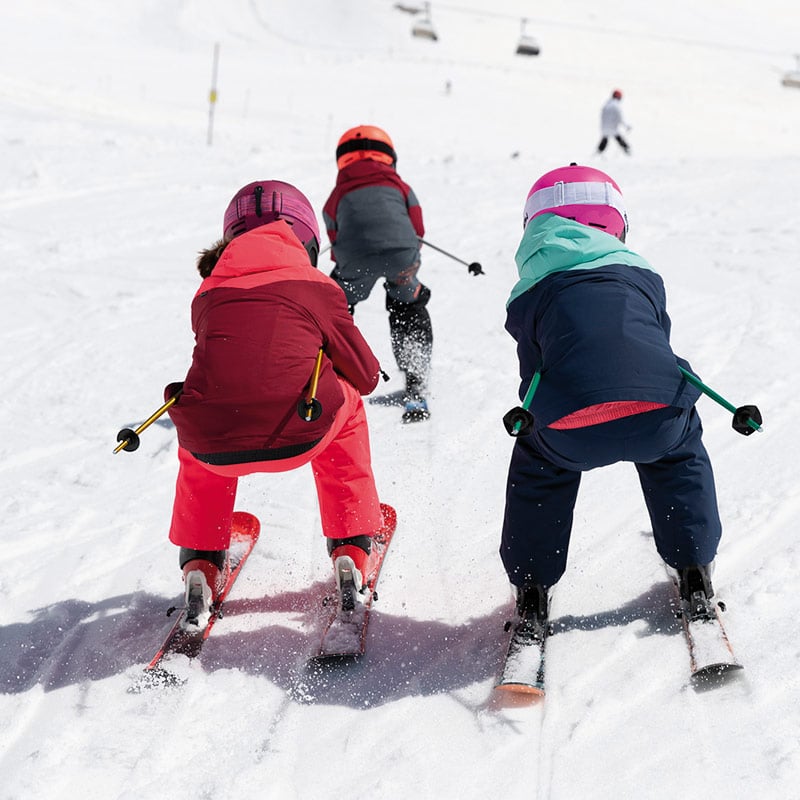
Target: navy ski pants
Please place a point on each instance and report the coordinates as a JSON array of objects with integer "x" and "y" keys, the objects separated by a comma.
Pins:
[{"x": 674, "y": 472}]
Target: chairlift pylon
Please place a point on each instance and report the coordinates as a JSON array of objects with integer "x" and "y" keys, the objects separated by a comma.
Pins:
[
  {"x": 423, "y": 27},
  {"x": 792, "y": 78},
  {"x": 527, "y": 45}
]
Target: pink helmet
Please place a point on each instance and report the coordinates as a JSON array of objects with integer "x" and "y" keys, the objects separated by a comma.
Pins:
[
  {"x": 581, "y": 193},
  {"x": 262, "y": 202}
]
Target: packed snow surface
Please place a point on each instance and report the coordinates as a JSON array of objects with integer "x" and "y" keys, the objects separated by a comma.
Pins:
[{"x": 110, "y": 187}]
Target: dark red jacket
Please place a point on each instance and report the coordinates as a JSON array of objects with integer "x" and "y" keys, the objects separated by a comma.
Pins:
[{"x": 259, "y": 321}]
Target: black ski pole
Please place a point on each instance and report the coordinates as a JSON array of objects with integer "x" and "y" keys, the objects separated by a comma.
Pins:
[{"x": 474, "y": 268}]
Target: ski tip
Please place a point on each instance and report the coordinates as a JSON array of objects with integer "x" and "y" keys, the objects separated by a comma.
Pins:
[
  {"x": 389, "y": 517},
  {"x": 713, "y": 675},
  {"x": 155, "y": 678},
  {"x": 245, "y": 525},
  {"x": 515, "y": 695},
  {"x": 521, "y": 688},
  {"x": 323, "y": 661}
]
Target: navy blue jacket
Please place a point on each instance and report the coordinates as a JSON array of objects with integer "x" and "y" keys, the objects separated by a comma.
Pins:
[{"x": 598, "y": 330}]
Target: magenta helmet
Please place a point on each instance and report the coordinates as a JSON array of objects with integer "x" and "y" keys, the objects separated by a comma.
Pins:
[
  {"x": 262, "y": 202},
  {"x": 581, "y": 193}
]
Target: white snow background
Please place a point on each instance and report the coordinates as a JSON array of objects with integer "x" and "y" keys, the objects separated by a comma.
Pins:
[{"x": 109, "y": 189}]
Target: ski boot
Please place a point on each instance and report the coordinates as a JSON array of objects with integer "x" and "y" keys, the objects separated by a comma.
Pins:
[
  {"x": 205, "y": 573},
  {"x": 533, "y": 608},
  {"x": 694, "y": 584},
  {"x": 416, "y": 410},
  {"x": 351, "y": 567},
  {"x": 416, "y": 407},
  {"x": 533, "y": 603}
]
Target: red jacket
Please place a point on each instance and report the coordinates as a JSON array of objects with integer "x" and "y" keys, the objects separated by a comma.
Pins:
[{"x": 259, "y": 321}]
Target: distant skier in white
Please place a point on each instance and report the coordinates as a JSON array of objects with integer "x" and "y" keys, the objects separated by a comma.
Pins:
[{"x": 611, "y": 120}]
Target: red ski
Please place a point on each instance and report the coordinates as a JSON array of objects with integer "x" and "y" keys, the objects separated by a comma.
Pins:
[
  {"x": 245, "y": 529},
  {"x": 345, "y": 634}
]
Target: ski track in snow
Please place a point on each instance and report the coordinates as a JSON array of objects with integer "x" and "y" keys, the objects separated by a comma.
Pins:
[{"x": 109, "y": 192}]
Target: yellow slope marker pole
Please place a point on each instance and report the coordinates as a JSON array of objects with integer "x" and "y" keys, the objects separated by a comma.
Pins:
[{"x": 212, "y": 95}]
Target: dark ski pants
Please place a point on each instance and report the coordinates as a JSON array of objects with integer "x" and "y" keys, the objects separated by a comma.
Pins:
[
  {"x": 620, "y": 141},
  {"x": 674, "y": 472},
  {"x": 411, "y": 334},
  {"x": 399, "y": 267},
  {"x": 410, "y": 329}
]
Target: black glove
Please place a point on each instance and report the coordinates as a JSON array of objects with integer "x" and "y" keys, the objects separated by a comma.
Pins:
[
  {"x": 173, "y": 389},
  {"x": 518, "y": 415}
]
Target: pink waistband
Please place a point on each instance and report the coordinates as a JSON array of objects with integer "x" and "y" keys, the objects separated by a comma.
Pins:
[{"x": 603, "y": 412}]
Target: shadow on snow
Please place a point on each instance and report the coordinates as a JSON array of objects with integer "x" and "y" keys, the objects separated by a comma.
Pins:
[{"x": 71, "y": 642}]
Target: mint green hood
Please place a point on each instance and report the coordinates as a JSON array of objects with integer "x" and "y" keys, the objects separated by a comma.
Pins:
[{"x": 554, "y": 244}]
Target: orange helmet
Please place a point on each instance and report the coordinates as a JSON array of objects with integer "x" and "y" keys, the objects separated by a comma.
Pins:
[{"x": 365, "y": 141}]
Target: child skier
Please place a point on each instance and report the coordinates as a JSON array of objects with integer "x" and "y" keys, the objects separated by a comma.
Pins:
[
  {"x": 611, "y": 120},
  {"x": 260, "y": 317},
  {"x": 374, "y": 224},
  {"x": 589, "y": 316}
]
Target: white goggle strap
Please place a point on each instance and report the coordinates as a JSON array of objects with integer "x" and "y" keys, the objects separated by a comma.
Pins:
[{"x": 568, "y": 194}]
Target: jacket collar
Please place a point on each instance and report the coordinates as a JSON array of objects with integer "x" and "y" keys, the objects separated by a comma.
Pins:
[
  {"x": 267, "y": 248},
  {"x": 553, "y": 244}
]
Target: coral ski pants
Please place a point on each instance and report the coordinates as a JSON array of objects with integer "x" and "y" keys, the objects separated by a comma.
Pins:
[
  {"x": 341, "y": 463},
  {"x": 674, "y": 473}
]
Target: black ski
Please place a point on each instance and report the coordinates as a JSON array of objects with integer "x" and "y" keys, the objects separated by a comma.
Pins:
[{"x": 711, "y": 655}]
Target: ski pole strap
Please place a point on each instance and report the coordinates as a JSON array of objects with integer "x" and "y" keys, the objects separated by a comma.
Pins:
[{"x": 743, "y": 418}]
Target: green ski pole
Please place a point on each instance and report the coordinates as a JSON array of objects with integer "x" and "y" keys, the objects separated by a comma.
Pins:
[
  {"x": 746, "y": 419},
  {"x": 519, "y": 421}
]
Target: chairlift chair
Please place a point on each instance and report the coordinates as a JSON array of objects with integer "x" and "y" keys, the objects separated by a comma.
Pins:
[
  {"x": 527, "y": 45},
  {"x": 423, "y": 27}
]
